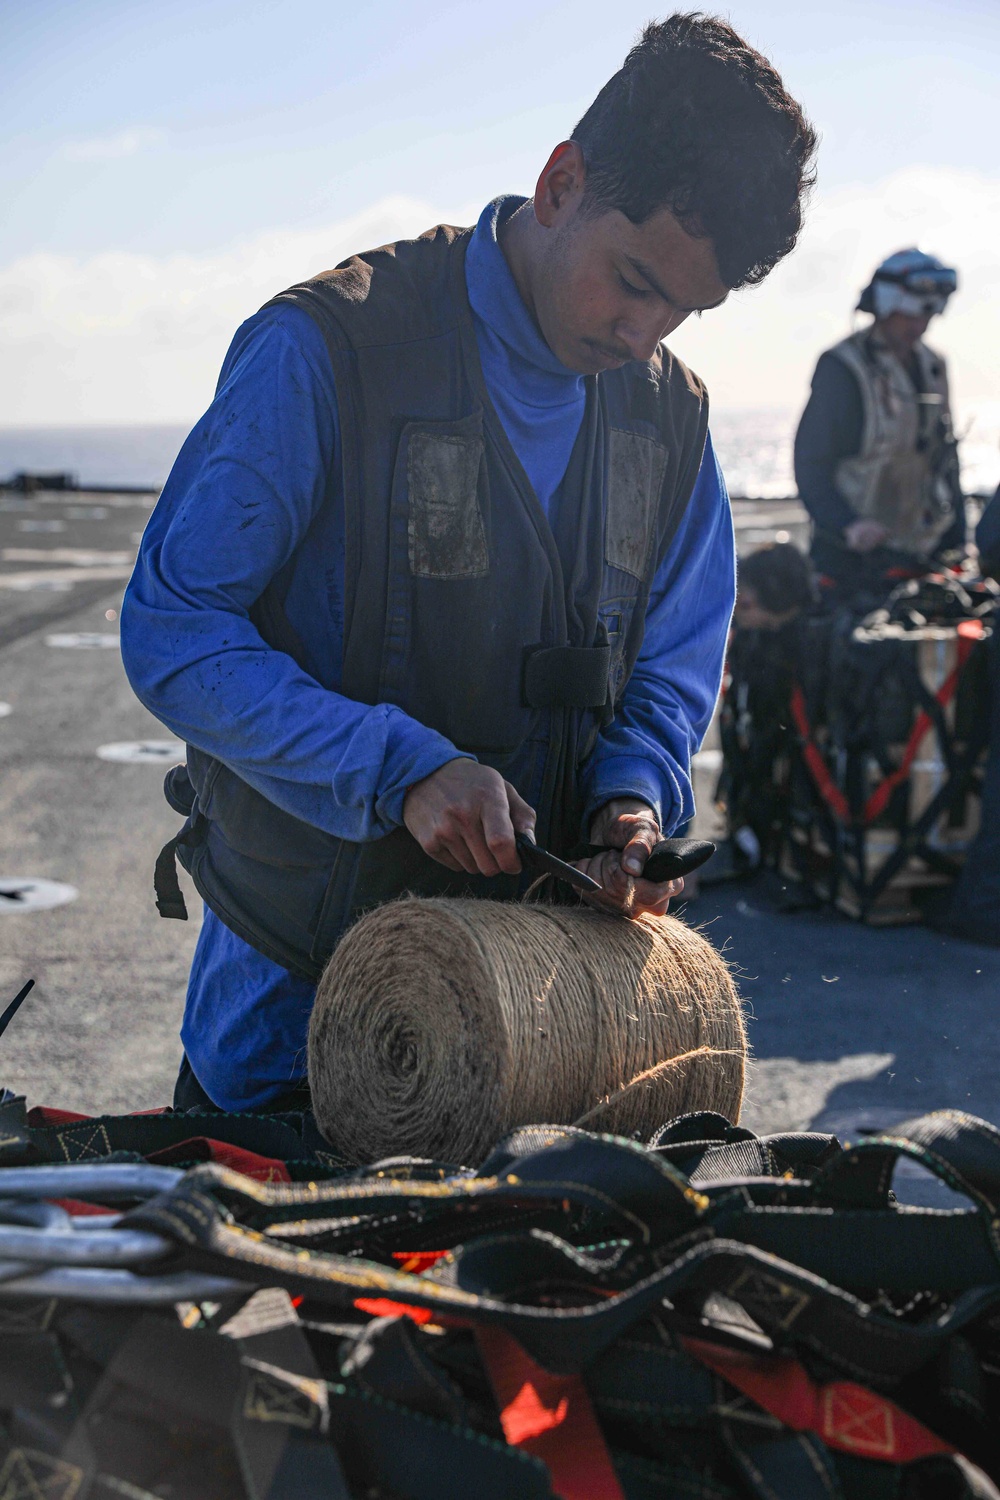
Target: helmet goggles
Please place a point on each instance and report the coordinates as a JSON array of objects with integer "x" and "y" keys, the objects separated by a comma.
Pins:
[
  {"x": 911, "y": 283},
  {"x": 924, "y": 292}
]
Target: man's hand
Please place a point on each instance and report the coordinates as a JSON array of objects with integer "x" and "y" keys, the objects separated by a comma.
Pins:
[
  {"x": 628, "y": 825},
  {"x": 464, "y": 816},
  {"x": 864, "y": 535}
]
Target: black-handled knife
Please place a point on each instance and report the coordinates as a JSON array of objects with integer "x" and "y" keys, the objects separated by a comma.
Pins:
[
  {"x": 671, "y": 858},
  {"x": 543, "y": 863}
]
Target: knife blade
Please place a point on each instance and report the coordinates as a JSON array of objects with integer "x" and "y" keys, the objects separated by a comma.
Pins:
[{"x": 544, "y": 863}]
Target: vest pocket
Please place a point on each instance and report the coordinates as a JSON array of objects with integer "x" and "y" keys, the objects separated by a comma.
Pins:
[
  {"x": 446, "y": 533},
  {"x": 636, "y": 467}
]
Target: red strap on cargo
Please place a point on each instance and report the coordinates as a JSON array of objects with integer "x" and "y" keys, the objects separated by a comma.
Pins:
[
  {"x": 416, "y": 1262},
  {"x": 79, "y": 1208},
  {"x": 879, "y": 798},
  {"x": 969, "y": 631},
  {"x": 845, "y": 1415},
  {"x": 384, "y": 1307},
  {"x": 827, "y": 787},
  {"x": 41, "y": 1115},
  {"x": 550, "y": 1417},
  {"x": 204, "y": 1148}
]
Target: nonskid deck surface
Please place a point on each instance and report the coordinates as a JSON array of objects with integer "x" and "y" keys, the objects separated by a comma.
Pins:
[{"x": 851, "y": 1026}]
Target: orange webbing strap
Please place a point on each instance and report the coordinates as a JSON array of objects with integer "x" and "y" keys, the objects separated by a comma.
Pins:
[
  {"x": 550, "y": 1417},
  {"x": 845, "y": 1415}
]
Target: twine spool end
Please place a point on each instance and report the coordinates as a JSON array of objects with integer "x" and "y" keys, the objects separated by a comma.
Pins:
[{"x": 440, "y": 1025}]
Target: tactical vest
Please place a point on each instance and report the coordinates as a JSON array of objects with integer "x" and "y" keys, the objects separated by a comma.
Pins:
[
  {"x": 899, "y": 475},
  {"x": 462, "y": 605}
]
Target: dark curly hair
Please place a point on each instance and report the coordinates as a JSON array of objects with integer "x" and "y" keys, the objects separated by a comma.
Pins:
[
  {"x": 780, "y": 576},
  {"x": 699, "y": 123}
]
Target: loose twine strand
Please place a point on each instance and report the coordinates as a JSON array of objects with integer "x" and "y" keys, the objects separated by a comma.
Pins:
[
  {"x": 441, "y": 1025},
  {"x": 649, "y": 1074}
]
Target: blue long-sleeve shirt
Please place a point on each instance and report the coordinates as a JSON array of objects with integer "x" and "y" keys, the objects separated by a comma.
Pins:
[{"x": 251, "y": 492}]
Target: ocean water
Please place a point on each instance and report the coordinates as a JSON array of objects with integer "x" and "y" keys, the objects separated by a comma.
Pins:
[{"x": 754, "y": 447}]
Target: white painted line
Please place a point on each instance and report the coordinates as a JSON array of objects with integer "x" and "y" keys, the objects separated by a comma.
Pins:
[
  {"x": 26, "y": 583},
  {"x": 5, "y": 709},
  {"x": 29, "y": 893},
  {"x": 708, "y": 760},
  {"x": 33, "y": 525},
  {"x": 143, "y": 752},
  {"x": 85, "y": 640},
  {"x": 63, "y": 578},
  {"x": 86, "y": 512},
  {"x": 77, "y": 557}
]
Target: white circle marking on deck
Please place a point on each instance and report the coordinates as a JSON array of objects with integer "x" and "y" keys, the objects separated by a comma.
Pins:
[
  {"x": 85, "y": 640},
  {"x": 143, "y": 752},
  {"x": 28, "y": 893}
]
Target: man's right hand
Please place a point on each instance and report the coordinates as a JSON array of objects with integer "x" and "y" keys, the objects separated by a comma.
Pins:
[
  {"x": 464, "y": 816},
  {"x": 864, "y": 535}
]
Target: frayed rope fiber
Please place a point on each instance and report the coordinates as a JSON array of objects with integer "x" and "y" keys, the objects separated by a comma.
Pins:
[{"x": 439, "y": 1025}]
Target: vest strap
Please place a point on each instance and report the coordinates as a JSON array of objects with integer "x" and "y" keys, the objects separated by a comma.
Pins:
[
  {"x": 169, "y": 896},
  {"x": 567, "y": 676}
]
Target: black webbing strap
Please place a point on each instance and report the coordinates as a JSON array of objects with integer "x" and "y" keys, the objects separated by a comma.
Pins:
[
  {"x": 567, "y": 676},
  {"x": 388, "y": 1448},
  {"x": 169, "y": 896},
  {"x": 866, "y": 1249},
  {"x": 289, "y": 1137}
]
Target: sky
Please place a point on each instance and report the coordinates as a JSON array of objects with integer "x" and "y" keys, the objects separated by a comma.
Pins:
[{"x": 165, "y": 168}]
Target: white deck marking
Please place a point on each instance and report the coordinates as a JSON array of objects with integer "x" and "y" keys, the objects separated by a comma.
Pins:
[
  {"x": 143, "y": 752},
  {"x": 27, "y": 893},
  {"x": 85, "y": 640}
]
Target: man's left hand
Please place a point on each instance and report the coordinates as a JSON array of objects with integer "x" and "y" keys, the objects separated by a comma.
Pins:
[{"x": 630, "y": 830}]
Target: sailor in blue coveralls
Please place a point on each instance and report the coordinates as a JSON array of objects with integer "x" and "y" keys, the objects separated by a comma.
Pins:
[{"x": 450, "y": 554}]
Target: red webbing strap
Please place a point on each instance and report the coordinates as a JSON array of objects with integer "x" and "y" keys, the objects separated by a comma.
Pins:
[
  {"x": 205, "y": 1148},
  {"x": 415, "y": 1262},
  {"x": 42, "y": 1115},
  {"x": 843, "y": 1414},
  {"x": 550, "y": 1417},
  {"x": 78, "y": 1207},
  {"x": 827, "y": 787},
  {"x": 969, "y": 631},
  {"x": 879, "y": 798}
]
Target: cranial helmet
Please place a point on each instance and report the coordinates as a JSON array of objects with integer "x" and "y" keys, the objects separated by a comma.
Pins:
[{"x": 909, "y": 282}]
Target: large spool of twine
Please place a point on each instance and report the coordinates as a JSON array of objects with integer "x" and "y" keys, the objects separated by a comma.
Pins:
[{"x": 439, "y": 1025}]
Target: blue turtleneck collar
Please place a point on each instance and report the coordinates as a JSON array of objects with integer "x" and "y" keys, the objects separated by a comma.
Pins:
[{"x": 539, "y": 401}]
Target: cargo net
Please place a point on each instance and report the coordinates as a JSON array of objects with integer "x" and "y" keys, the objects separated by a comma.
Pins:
[
  {"x": 853, "y": 747},
  {"x": 213, "y": 1307}
]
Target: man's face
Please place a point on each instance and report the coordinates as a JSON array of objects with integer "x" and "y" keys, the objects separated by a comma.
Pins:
[
  {"x": 607, "y": 290},
  {"x": 901, "y": 331}
]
